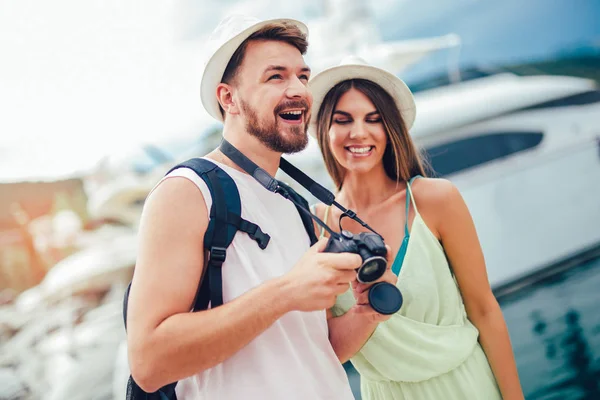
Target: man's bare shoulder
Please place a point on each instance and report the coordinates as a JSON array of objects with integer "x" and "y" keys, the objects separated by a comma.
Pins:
[
  {"x": 170, "y": 259},
  {"x": 175, "y": 194}
]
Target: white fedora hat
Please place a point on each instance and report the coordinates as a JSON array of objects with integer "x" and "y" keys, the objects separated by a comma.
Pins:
[
  {"x": 222, "y": 43},
  {"x": 353, "y": 67}
]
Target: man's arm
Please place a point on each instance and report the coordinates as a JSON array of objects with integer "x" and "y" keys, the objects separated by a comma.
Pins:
[{"x": 166, "y": 342}]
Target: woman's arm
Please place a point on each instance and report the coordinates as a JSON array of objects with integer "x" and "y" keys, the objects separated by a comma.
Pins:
[
  {"x": 349, "y": 333},
  {"x": 460, "y": 241}
]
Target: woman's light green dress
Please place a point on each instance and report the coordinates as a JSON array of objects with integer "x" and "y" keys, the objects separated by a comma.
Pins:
[{"x": 429, "y": 349}]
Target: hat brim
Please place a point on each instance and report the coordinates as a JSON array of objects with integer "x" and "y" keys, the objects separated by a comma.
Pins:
[
  {"x": 323, "y": 82},
  {"x": 216, "y": 65}
]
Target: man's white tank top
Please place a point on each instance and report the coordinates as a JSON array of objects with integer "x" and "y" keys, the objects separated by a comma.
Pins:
[{"x": 293, "y": 358}]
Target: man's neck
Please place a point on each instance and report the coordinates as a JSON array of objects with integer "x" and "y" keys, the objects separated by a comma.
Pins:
[{"x": 252, "y": 148}]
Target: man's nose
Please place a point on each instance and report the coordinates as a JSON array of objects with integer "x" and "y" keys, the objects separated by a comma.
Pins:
[{"x": 297, "y": 89}]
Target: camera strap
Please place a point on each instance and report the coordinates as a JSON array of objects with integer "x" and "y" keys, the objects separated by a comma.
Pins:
[
  {"x": 319, "y": 192},
  {"x": 296, "y": 174},
  {"x": 267, "y": 181}
]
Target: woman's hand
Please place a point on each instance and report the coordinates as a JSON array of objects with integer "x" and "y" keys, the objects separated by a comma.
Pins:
[{"x": 361, "y": 294}]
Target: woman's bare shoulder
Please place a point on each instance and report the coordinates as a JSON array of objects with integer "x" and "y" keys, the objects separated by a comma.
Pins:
[
  {"x": 436, "y": 199},
  {"x": 433, "y": 192}
]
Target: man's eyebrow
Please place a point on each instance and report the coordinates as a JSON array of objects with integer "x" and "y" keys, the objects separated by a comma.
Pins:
[
  {"x": 275, "y": 68},
  {"x": 271, "y": 68}
]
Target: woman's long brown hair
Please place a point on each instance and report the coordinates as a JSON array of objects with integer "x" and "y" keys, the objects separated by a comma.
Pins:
[{"x": 401, "y": 160}]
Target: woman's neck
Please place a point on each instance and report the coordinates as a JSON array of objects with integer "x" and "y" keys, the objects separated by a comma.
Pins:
[{"x": 361, "y": 192}]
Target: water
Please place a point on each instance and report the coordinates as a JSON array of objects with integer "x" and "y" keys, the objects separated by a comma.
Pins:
[
  {"x": 555, "y": 330},
  {"x": 554, "y": 327}
]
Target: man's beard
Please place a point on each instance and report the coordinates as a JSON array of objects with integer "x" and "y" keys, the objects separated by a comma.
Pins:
[{"x": 267, "y": 132}]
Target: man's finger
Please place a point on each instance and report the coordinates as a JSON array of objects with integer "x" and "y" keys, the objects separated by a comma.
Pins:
[
  {"x": 388, "y": 256},
  {"x": 320, "y": 245},
  {"x": 342, "y": 261}
]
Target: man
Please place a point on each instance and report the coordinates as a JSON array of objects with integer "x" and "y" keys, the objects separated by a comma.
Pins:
[{"x": 269, "y": 340}]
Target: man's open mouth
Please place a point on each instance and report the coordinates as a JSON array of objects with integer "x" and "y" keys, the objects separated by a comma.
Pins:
[{"x": 295, "y": 115}]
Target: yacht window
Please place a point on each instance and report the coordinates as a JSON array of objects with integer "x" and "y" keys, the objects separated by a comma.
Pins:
[
  {"x": 467, "y": 153},
  {"x": 578, "y": 99}
]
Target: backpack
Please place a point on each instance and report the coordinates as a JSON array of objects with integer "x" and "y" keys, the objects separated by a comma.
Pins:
[{"x": 224, "y": 222}]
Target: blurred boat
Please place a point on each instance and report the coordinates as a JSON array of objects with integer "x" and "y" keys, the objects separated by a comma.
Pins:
[
  {"x": 348, "y": 27},
  {"x": 525, "y": 153},
  {"x": 94, "y": 269}
]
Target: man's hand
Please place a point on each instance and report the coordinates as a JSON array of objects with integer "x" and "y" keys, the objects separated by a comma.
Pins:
[{"x": 318, "y": 278}]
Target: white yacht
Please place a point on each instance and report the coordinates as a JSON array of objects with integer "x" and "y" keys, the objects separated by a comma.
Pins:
[{"x": 525, "y": 153}]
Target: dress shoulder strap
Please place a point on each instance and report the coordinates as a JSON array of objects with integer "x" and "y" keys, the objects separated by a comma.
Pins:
[
  {"x": 399, "y": 260},
  {"x": 324, "y": 219},
  {"x": 409, "y": 198}
]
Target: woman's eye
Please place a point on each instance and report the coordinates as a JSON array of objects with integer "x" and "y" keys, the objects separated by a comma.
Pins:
[
  {"x": 342, "y": 121},
  {"x": 305, "y": 77},
  {"x": 374, "y": 121}
]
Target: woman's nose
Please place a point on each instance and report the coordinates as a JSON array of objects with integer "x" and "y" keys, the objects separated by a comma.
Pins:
[{"x": 358, "y": 131}]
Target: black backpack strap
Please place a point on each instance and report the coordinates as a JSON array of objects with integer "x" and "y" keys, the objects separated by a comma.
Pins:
[
  {"x": 306, "y": 219},
  {"x": 216, "y": 240},
  {"x": 225, "y": 221}
]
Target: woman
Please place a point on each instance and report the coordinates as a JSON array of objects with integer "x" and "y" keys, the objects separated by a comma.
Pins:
[{"x": 449, "y": 340}]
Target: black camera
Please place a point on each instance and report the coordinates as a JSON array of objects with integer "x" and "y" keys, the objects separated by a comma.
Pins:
[
  {"x": 369, "y": 246},
  {"x": 384, "y": 297}
]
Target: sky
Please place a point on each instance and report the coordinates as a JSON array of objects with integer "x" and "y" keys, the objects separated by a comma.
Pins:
[
  {"x": 83, "y": 79},
  {"x": 79, "y": 79}
]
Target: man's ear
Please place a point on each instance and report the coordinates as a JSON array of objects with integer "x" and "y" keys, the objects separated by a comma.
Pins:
[{"x": 225, "y": 98}]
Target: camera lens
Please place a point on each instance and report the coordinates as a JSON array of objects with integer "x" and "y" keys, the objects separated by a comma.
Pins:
[{"x": 372, "y": 269}]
